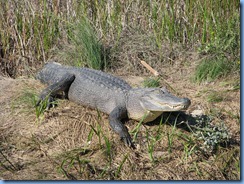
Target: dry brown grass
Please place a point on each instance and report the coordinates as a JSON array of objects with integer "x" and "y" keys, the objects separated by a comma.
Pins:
[
  {"x": 57, "y": 147},
  {"x": 61, "y": 145}
]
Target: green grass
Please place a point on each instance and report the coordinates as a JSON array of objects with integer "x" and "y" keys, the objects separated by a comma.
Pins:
[
  {"x": 135, "y": 131},
  {"x": 83, "y": 47},
  {"x": 215, "y": 97},
  {"x": 121, "y": 165},
  {"x": 73, "y": 161},
  {"x": 25, "y": 101},
  {"x": 34, "y": 31},
  {"x": 27, "y": 34},
  {"x": 229, "y": 159},
  {"x": 101, "y": 135},
  {"x": 97, "y": 130},
  {"x": 211, "y": 69},
  {"x": 42, "y": 106},
  {"x": 222, "y": 50},
  {"x": 152, "y": 140},
  {"x": 171, "y": 137},
  {"x": 188, "y": 150},
  {"x": 151, "y": 82}
]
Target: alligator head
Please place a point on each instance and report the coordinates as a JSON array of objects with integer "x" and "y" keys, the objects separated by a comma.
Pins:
[{"x": 149, "y": 103}]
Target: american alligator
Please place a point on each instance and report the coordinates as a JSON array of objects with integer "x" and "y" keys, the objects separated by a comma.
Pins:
[{"x": 108, "y": 94}]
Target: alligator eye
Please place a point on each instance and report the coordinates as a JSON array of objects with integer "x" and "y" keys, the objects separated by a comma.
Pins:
[
  {"x": 158, "y": 91},
  {"x": 162, "y": 91}
]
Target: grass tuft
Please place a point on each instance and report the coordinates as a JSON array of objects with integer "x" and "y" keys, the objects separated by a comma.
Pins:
[
  {"x": 151, "y": 82},
  {"x": 121, "y": 165},
  {"x": 215, "y": 97},
  {"x": 83, "y": 47},
  {"x": 211, "y": 69}
]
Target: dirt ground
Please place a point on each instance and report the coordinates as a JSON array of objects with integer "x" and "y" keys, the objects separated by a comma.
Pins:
[{"x": 75, "y": 142}]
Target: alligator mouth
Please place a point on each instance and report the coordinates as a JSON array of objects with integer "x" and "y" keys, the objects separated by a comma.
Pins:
[
  {"x": 174, "y": 107},
  {"x": 153, "y": 104},
  {"x": 183, "y": 105},
  {"x": 170, "y": 107},
  {"x": 179, "y": 106}
]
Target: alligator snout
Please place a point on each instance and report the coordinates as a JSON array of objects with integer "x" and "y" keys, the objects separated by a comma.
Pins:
[{"x": 186, "y": 102}]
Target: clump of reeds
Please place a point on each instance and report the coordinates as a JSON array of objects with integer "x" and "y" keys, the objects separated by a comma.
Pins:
[{"x": 30, "y": 29}]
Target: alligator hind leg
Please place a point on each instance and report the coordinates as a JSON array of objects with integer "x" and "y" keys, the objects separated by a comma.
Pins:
[
  {"x": 115, "y": 122},
  {"x": 51, "y": 91}
]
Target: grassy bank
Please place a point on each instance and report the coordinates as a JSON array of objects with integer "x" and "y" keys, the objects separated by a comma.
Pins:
[{"x": 34, "y": 31}]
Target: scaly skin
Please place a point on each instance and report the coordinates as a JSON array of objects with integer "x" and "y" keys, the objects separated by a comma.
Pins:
[{"x": 108, "y": 94}]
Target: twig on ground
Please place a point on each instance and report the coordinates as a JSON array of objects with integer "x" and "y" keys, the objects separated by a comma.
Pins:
[{"x": 155, "y": 73}]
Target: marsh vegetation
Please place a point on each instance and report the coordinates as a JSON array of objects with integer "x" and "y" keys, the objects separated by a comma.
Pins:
[{"x": 194, "y": 46}]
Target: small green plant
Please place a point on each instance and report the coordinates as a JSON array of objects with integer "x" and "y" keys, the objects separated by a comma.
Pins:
[
  {"x": 150, "y": 143},
  {"x": 73, "y": 161},
  {"x": 40, "y": 108},
  {"x": 105, "y": 171},
  {"x": 170, "y": 137},
  {"x": 159, "y": 132},
  {"x": 152, "y": 140},
  {"x": 188, "y": 150},
  {"x": 137, "y": 128},
  {"x": 97, "y": 131},
  {"x": 212, "y": 135},
  {"x": 108, "y": 148},
  {"x": 44, "y": 104},
  {"x": 190, "y": 144},
  {"x": 151, "y": 82},
  {"x": 197, "y": 169},
  {"x": 90, "y": 135},
  {"x": 121, "y": 165},
  {"x": 229, "y": 159}
]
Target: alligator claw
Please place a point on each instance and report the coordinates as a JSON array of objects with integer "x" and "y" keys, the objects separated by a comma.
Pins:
[
  {"x": 128, "y": 141},
  {"x": 50, "y": 101}
]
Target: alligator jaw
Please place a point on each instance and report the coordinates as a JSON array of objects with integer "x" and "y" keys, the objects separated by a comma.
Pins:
[
  {"x": 156, "y": 104},
  {"x": 183, "y": 105},
  {"x": 152, "y": 102}
]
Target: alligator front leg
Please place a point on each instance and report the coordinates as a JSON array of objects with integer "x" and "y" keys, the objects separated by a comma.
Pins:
[
  {"x": 115, "y": 122},
  {"x": 51, "y": 91}
]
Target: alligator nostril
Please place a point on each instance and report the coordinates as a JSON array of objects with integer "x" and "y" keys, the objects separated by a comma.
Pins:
[{"x": 186, "y": 101}]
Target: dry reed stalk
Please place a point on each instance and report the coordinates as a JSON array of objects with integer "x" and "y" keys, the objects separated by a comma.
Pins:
[{"x": 154, "y": 72}]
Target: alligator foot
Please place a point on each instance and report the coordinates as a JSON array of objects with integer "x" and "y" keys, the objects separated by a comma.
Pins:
[
  {"x": 48, "y": 94},
  {"x": 115, "y": 122},
  {"x": 128, "y": 141},
  {"x": 49, "y": 100}
]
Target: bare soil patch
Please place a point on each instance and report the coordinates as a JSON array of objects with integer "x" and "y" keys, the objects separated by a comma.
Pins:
[{"x": 61, "y": 146}]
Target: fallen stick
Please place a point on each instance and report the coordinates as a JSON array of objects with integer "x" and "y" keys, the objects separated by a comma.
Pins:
[
  {"x": 149, "y": 68},
  {"x": 155, "y": 73}
]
